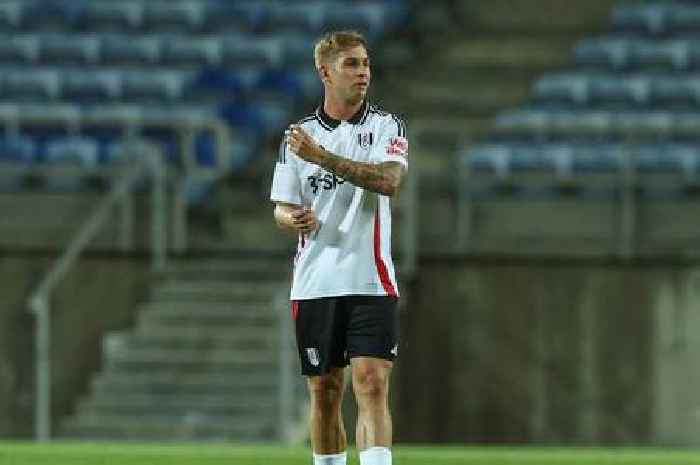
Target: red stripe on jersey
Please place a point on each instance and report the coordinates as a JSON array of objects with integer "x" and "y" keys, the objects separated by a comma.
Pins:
[
  {"x": 381, "y": 266},
  {"x": 295, "y": 309}
]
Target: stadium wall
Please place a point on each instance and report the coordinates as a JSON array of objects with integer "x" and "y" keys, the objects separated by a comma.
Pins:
[
  {"x": 562, "y": 351},
  {"x": 98, "y": 295}
]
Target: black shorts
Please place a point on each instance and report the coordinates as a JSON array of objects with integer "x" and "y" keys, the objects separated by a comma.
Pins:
[{"x": 332, "y": 330}]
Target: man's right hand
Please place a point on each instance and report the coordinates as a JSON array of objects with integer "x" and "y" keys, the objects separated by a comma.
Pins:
[{"x": 302, "y": 219}]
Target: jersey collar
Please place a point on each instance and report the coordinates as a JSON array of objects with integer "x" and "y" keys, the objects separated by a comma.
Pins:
[{"x": 331, "y": 123}]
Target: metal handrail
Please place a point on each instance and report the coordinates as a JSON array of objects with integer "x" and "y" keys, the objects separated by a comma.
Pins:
[{"x": 150, "y": 162}]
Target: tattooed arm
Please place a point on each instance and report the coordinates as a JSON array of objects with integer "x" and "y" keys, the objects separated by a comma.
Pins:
[{"x": 383, "y": 178}]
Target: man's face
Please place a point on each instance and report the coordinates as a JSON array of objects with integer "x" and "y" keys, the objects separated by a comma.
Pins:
[{"x": 349, "y": 74}]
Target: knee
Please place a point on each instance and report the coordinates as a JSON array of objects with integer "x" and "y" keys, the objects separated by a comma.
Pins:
[
  {"x": 371, "y": 383},
  {"x": 326, "y": 391}
]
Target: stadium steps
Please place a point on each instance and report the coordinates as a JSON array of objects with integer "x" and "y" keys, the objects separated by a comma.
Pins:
[{"x": 200, "y": 363}]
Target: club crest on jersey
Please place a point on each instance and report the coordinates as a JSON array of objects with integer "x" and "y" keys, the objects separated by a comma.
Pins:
[
  {"x": 397, "y": 146},
  {"x": 365, "y": 140}
]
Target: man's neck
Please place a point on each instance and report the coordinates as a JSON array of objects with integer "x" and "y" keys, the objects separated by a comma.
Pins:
[{"x": 339, "y": 109}]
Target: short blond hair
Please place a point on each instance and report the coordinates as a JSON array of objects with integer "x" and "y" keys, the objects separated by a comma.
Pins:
[{"x": 332, "y": 43}]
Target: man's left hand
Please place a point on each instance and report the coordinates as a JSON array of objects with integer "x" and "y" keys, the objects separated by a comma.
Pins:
[{"x": 303, "y": 144}]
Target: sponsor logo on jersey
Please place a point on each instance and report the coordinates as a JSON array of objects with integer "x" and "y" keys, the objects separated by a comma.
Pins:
[
  {"x": 397, "y": 146},
  {"x": 365, "y": 140},
  {"x": 326, "y": 182},
  {"x": 312, "y": 354}
]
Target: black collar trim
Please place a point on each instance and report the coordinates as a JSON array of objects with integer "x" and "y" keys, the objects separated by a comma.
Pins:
[{"x": 330, "y": 123}]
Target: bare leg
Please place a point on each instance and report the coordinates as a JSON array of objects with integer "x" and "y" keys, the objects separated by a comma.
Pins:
[
  {"x": 370, "y": 382},
  {"x": 326, "y": 421}
]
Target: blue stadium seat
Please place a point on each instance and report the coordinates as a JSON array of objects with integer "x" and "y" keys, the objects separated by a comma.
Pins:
[
  {"x": 490, "y": 159},
  {"x": 592, "y": 158},
  {"x": 16, "y": 150},
  {"x": 684, "y": 19},
  {"x": 624, "y": 89},
  {"x": 91, "y": 86},
  {"x": 566, "y": 87},
  {"x": 675, "y": 91},
  {"x": 174, "y": 15},
  {"x": 233, "y": 17},
  {"x": 216, "y": 84},
  {"x": 30, "y": 84},
  {"x": 108, "y": 15},
  {"x": 251, "y": 51},
  {"x": 63, "y": 49},
  {"x": 197, "y": 51},
  {"x": 665, "y": 55},
  {"x": 154, "y": 86},
  {"x": 50, "y": 15},
  {"x": 19, "y": 49},
  {"x": 648, "y": 125},
  {"x": 304, "y": 18},
  {"x": 367, "y": 17},
  {"x": 602, "y": 53},
  {"x": 72, "y": 151},
  {"x": 129, "y": 50},
  {"x": 297, "y": 50},
  {"x": 639, "y": 18},
  {"x": 10, "y": 15},
  {"x": 282, "y": 82}
]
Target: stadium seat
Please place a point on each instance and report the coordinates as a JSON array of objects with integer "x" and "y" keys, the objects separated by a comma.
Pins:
[
  {"x": 174, "y": 15},
  {"x": 624, "y": 89},
  {"x": 19, "y": 49},
  {"x": 17, "y": 149},
  {"x": 280, "y": 82},
  {"x": 368, "y": 18},
  {"x": 216, "y": 84},
  {"x": 50, "y": 15},
  {"x": 566, "y": 87},
  {"x": 196, "y": 51},
  {"x": 664, "y": 55},
  {"x": 602, "y": 53},
  {"x": 490, "y": 159},
  {"x": 683, "y": 19},
  {"x": 594, "y": 158},
  {"x": 10, "y": 15},
  {"x": 108, "y": 15},
  {"x": 674, "y": 91},
  {"x": 251, "y": 51},
  {"x": 639, "y": 18},
  {"x": 128, "y": 50},
  {"x": 72, "y": 151},
  {"x": 304, "y": 18},
  {"x": 233, "y": 17},
  {"x": 154, "y": 86},
  {"x": 65, "y": 49},
  {"x": 30, "y": 84},
  {"x": 91, "y": 87}
]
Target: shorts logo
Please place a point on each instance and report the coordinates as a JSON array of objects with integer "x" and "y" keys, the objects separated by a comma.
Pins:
[
  {"x": 395, "y": 351},
  {"x": 365, "y": 140},
  {"x": 312, "y": 354},
  {"x": 397, "y": 146}
]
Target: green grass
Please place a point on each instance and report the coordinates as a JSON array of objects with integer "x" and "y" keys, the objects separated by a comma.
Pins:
[{"x": 84, "y": 453}]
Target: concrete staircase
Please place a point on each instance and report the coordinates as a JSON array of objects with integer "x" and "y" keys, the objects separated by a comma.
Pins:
[{"x": 202, "y": 361}]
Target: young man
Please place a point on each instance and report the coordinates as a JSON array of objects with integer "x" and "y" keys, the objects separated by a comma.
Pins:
[{"x": 336, "y": 172}]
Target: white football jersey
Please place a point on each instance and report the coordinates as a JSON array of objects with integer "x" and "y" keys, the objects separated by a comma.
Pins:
[{"x": 350, "y": 252}]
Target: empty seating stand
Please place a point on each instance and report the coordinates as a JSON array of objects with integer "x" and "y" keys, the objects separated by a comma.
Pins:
[{"x": 631, "y": 100}]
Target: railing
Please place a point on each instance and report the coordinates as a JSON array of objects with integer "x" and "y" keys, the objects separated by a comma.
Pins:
[
  {"x": 187, "y": 121},
  {"x": 293, "y": 405},
  {"x": 147, "y": 162}
]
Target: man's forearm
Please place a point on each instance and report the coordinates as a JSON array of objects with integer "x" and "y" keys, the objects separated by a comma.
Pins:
[{"x": 379, "y": 178}]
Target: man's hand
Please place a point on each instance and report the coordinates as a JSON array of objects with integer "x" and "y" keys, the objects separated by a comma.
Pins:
[
  {"x": 302, "y": 219},
  {"x": 303, "y": 144}
]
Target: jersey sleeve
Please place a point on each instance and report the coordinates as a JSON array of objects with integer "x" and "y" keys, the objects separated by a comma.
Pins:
[
  {"x": 285, "y": 180},
  {"x": 393, "y": 144}
]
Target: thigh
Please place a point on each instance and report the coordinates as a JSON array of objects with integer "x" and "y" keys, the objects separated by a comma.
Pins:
[
  {"x": 320, "y": 334},
  {"x": 373, "y": 327}
]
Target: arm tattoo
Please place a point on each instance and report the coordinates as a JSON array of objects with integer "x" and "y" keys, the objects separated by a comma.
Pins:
[{"x": 383, "y": 178}]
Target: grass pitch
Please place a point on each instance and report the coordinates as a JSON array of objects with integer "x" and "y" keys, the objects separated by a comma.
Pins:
[{"x": 92, "y": 453}]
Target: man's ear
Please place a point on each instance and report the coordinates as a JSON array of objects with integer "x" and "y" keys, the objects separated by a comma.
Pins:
[{"x": 323, "y": 72}]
